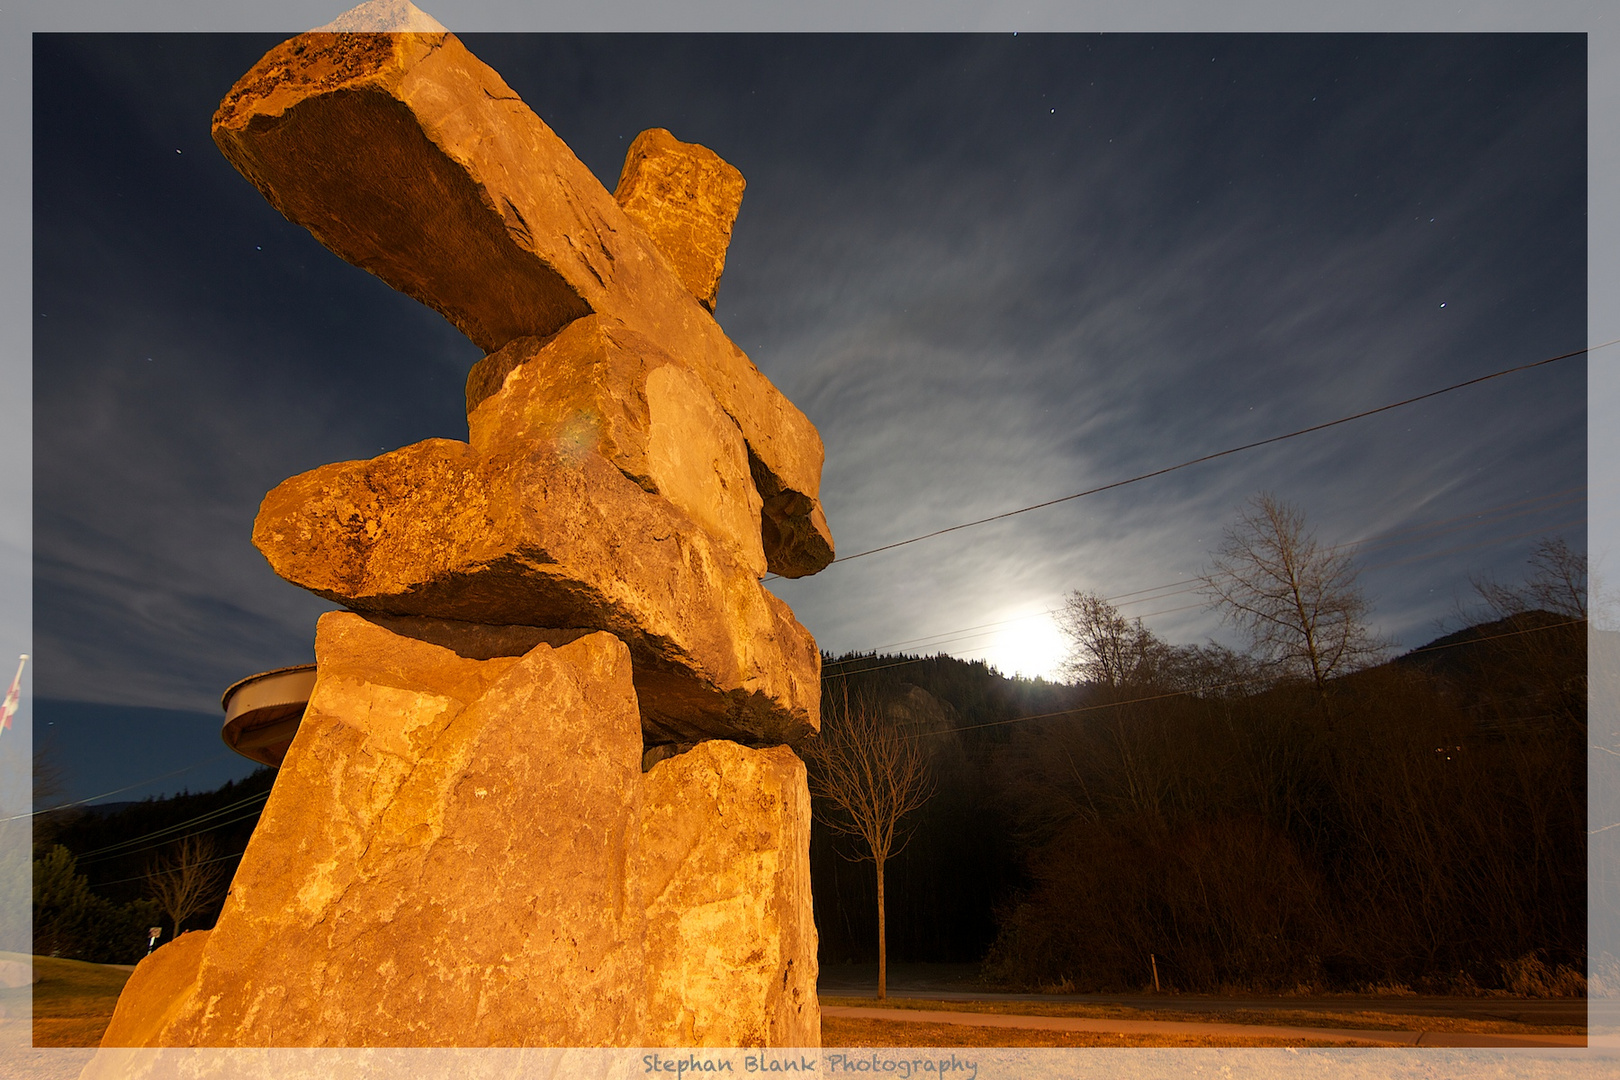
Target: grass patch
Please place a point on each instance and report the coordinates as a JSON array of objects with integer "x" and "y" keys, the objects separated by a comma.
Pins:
[
  {"x": 853, "y": 1032},
  {"x": 74, "y": 1001},
  {"x": 1366, "y": 1019},
  {"x": 86, "y": 1031}
]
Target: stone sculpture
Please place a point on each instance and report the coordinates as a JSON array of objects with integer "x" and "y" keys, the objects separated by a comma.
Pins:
[{"x": 543, "y": 792}]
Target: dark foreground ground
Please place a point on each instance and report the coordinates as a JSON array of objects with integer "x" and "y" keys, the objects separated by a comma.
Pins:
[
  {"x": 945, "y": 1005},
  {"x": 962, "y": 982}
]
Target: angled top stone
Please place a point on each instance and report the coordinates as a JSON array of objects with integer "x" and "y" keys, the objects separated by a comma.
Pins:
[
  {"x": 409, "y": 157},
  {"x": 686, "y": 197},
  {"x": 552, "y": 533}
]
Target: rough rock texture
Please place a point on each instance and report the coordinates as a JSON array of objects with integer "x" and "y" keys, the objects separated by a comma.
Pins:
[
  {"x": 791, "y": 523},
  {"x": 461, "y": 849},
  {"x": 159, "y": 986},
  {"x": 407, "y": 156},
  {"x": 725, "y": 870},
  {"x": 521, "y": 807},
  {"x": 554, "y": 535},
  {"x": 447, "y": 858},
  {"x": 599, "y": 386},
  {"x": 686, "y": 197}
]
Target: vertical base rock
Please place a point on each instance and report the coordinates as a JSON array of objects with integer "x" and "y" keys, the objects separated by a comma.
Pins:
[
  {"x": 462, "y": 850},
  {"x": 446, "y": 860},
  {"x": 725, "y": 872}
]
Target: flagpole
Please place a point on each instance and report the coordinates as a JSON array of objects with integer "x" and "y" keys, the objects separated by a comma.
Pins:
[{"x": 8, "y": 708}]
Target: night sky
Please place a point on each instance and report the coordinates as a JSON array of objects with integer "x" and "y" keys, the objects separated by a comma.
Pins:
[{"x": 993, "y": 270}]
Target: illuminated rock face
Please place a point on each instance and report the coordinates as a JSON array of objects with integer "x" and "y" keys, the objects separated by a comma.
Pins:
[
  {"x": 687, "y": 199},
  {"x": 447, "y": 858},
  {"x": 462, "y": 850},
  {"x": 600, "y": 488},
  {"x": 724, "y": 867},
  {"x": 409, "y": 157},
  {"x": 463, "y": 847}
]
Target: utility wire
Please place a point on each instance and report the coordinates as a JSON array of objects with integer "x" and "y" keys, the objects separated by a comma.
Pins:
[
  {"x": 144, "y": 877},
  {"x": 1223, "y": 453},
  {"x": 1376, "y": 542},
  {"x": 256, "y": 797},
  {"x": 247, "y": 816},
  {"x": 117, "y": 791}
]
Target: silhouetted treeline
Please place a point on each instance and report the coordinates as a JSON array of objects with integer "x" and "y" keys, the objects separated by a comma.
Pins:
[
  {"x": 957, "y": 866},
  {"x": 1426, "y": 831},
  {"x": 92, "y": 900}
]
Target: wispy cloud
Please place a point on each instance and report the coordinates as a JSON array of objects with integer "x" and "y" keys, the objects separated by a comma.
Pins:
[{"x": 992, "y": 272}]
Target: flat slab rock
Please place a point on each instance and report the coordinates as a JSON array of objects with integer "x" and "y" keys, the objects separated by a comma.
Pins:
[
  {"x": 555, "y": 535},
  {"x": 407, "y": 156},
  {"x": 461, "y": 849}
]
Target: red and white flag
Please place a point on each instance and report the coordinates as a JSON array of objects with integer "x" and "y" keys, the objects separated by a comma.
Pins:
[{"x": 8, "y": 708}]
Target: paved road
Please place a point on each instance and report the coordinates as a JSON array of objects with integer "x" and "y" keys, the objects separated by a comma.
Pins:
[{"x": 960, "y": 982}]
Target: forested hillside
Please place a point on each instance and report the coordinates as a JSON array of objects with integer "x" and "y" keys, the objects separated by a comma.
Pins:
[
  {"x": 1426, "y": 830},
  {"x": 103, "y": 876}
]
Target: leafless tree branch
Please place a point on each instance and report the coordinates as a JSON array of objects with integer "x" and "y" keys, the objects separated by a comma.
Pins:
[
  {"x": 185, "y": 879},
  {"x": 870, "y": 775}
]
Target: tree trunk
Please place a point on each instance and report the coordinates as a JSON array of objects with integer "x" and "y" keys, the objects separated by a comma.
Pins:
[{"x": 883, "y": 938}]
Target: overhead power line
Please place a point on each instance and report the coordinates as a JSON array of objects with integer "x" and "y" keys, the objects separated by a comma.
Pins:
[
  {"x": 144, "y": 877},
  {"x": 1224, "y": 453},
  {"x": 119, "y": 791},
  {"x": 1381, "y": 541},
  {"x": 251, "y": 815},
  {"x": 158, "y": 837}
]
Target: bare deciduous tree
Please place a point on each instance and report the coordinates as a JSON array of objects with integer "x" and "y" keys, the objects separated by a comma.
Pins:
[
  {"x": 1557, "y": 584},
  {"x": 186, "y": 878},
  {"x": 868, "y": 775},
  {"x": 1542, "y": 619},
  {"x": 1109, "y": 649},
  {"x": 1297, "y": 601}
]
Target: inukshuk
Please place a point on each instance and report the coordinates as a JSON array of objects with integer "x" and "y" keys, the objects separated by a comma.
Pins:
[{"x": 543, "y": 792}]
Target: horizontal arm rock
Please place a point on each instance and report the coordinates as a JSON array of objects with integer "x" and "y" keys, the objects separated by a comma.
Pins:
[{"x": 409, "y": 157}]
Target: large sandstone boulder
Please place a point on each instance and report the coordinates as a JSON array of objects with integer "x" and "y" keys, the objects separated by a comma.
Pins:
[
  {"x": 407, "y": 156},
  {"x": 554, "y": 535},
  {"x": 461, "y": 849},
  {"x": 725, "y": 870},
  {"x": 447, "y": 858},
  {"x": 160, "y": 986}
]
